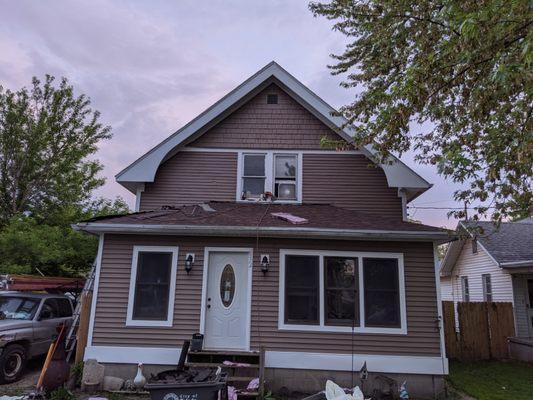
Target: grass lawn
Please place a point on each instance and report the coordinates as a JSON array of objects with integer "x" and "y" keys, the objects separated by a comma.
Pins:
[{"x": 493, "y": 380}]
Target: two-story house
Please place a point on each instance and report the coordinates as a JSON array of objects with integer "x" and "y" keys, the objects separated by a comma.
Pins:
[{"x": 251, "y": 232}]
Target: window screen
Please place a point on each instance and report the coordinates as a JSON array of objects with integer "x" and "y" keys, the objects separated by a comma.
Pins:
[
  {"x": 253, "y": 181},
  {"x": 382, "y": 293},
  {"x": 152, "y": 286},
  {"x": 285, "y": 176},
  {"x": 341, "y": 291},
  {"x": 301, "y": 289}
]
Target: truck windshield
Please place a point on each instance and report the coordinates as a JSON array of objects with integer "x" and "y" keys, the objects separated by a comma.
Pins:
[{"x": 12, "y": 307}]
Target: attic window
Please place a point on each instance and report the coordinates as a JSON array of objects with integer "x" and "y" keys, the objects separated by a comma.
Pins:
[{"x": 272, "y": 99}]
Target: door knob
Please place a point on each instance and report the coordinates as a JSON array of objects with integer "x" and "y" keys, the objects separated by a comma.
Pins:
[
  {"x": 209, "y": 306},
  {"x": 209, "y": 299}
]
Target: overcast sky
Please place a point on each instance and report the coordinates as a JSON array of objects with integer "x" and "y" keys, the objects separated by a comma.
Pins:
[{"x": 150, "y": 67}]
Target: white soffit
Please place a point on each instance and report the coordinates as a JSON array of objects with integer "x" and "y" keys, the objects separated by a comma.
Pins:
[{"x": 144, "y": 169}]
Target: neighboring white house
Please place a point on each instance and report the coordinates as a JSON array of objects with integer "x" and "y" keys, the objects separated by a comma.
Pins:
[{"x": 493, "y": 264}]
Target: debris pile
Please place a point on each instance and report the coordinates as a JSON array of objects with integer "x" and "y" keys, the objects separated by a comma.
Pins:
[{"x": 195, "y": 375}]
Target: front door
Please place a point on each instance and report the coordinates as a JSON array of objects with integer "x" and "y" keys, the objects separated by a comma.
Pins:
[{"x": 226, "y": 314}]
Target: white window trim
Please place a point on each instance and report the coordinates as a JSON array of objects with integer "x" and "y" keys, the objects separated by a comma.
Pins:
[
  {"x": 172, "y": 290},
  {"x": 402, "y": 330},
  {"x": 269, "y": 172}
]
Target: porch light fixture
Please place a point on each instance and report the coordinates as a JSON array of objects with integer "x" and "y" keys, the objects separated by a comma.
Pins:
[
  {"x": 189, "y": 261},
  {"x": 265, "y": 263}
]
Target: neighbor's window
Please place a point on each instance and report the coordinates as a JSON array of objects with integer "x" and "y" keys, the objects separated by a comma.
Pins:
[
  {"x": 382, "y": 292},
  {"x": 465, "y": 289},
  {"x": 341, "y": 291},
  {"x": 301, "y": 289},
  {"x": 253, "y": 177},
  {"x": 153, "y": 278},
  {"x": 285, "y": 176},
  {"x": 487, "y": 287}
]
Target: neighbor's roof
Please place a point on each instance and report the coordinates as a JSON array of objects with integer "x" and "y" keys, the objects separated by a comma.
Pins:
[
  {"x": 250, "y": 219},
  {"x": 510, "y": 245},
  {"x": 144, "y": 169}
]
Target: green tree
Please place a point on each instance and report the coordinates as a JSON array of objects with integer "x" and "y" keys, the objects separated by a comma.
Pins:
[
  {"x": 29, "y": 245},
  {"x": 460, "y": 69},
  {"x": 47, "y": 135}
]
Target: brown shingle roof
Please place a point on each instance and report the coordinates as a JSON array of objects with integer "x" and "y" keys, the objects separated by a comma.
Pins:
[{"x": 319, "y": 216}]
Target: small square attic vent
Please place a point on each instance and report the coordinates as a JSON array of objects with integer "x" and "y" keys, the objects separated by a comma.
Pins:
[{"x": 272, "y": 98}]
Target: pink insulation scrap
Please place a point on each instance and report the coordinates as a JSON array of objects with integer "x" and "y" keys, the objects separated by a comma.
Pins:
[{"x": 293, "y": 219}]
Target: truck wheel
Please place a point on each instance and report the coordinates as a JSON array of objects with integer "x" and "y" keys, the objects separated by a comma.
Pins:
[{"x": 12, "y": 362}]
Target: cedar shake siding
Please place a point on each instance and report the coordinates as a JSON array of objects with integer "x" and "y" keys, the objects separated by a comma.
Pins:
[
  {"x": 343, "y": 180},
  {"x": 258, "y": 125},
  {"x": 192, "y": 178},
  {"x": 349, "y": 181},
  {"x": 109, "y": 328}
]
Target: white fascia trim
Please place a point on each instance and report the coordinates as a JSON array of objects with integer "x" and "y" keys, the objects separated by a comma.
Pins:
[
  {"x": 265, "y": 231},
  {"x": 191, "y": 149},
  {"x": 172, "y": 290},
  {"x": 144, "y": 169},
  {"x": 426, "y": 365},
  {"x": 99, "y": 255},
  {"x": 322, "y": 327}
]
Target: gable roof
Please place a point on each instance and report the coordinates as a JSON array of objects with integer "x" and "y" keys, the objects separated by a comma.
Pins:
[
  {"x": 144, "y": 169},
  {"x": 510, "y": 245}
]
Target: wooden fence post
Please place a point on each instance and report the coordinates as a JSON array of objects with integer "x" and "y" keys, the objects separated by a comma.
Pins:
[
  {"x": 501, "y": 322},
  {"x": 450, "y": 334},
  {"x": 83, "y": 327}
]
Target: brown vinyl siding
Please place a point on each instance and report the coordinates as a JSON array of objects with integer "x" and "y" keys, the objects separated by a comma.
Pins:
[
  {"x": 258, "y": 125},
  {"x": 192, "y": 178},
  {"x": 110, "y": 330},
  {"x": 349, "y": 181},
  {"x": 343, "y": 180}
]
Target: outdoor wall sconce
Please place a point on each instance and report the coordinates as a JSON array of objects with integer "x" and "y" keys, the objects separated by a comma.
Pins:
[
  {"x": 265, "y": 263},
  {"x": 189, "y": 261}
]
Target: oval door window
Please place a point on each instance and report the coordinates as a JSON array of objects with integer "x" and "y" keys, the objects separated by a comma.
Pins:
[{"x": 227, "y": 285}]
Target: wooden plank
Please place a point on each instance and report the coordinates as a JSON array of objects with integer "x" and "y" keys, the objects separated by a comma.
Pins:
[
  {"x": 474, "y": 331},
  {"x": 501, "y": 322},
  {"x": 83, "y": 327},
  {"x": 450, "y": 333}
]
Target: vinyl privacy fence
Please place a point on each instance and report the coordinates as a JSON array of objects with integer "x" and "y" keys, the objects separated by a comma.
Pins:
[{"x": 480, "y": 331}]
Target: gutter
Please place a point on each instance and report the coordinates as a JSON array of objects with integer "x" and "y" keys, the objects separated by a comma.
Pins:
[
  {"x": 525, "y": 263},
  {"x": 247, "y": 231}
]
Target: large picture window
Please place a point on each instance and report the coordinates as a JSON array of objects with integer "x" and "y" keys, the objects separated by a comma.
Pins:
[
  {"x": 152, "y": 286},
  {"x": 342, "y": 292}
]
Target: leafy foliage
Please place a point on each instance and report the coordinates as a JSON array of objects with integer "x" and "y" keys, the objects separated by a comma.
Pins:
[
  {"x": 46, "y": 137},
  {"x": 29, "y": 245},
  {"x": 62, "y": 393},
  {"x": 462, "y": 71}
]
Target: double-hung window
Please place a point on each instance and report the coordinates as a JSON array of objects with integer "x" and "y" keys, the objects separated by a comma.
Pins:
[
  {"x": 270, "y": 173},
  {"x": 152, "y": 286},
  {"x": 487, "y": 287},
  {"x": 253, "y": 176},
  {"x": 465, "y": 289},
  {"x": 342, "y": 292}
]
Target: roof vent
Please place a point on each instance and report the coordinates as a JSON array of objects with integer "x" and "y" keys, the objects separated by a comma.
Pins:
[{"x": 272, "y": 99}]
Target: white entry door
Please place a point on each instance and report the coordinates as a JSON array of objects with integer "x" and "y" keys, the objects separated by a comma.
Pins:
[{"x": 226, "y": 314}]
